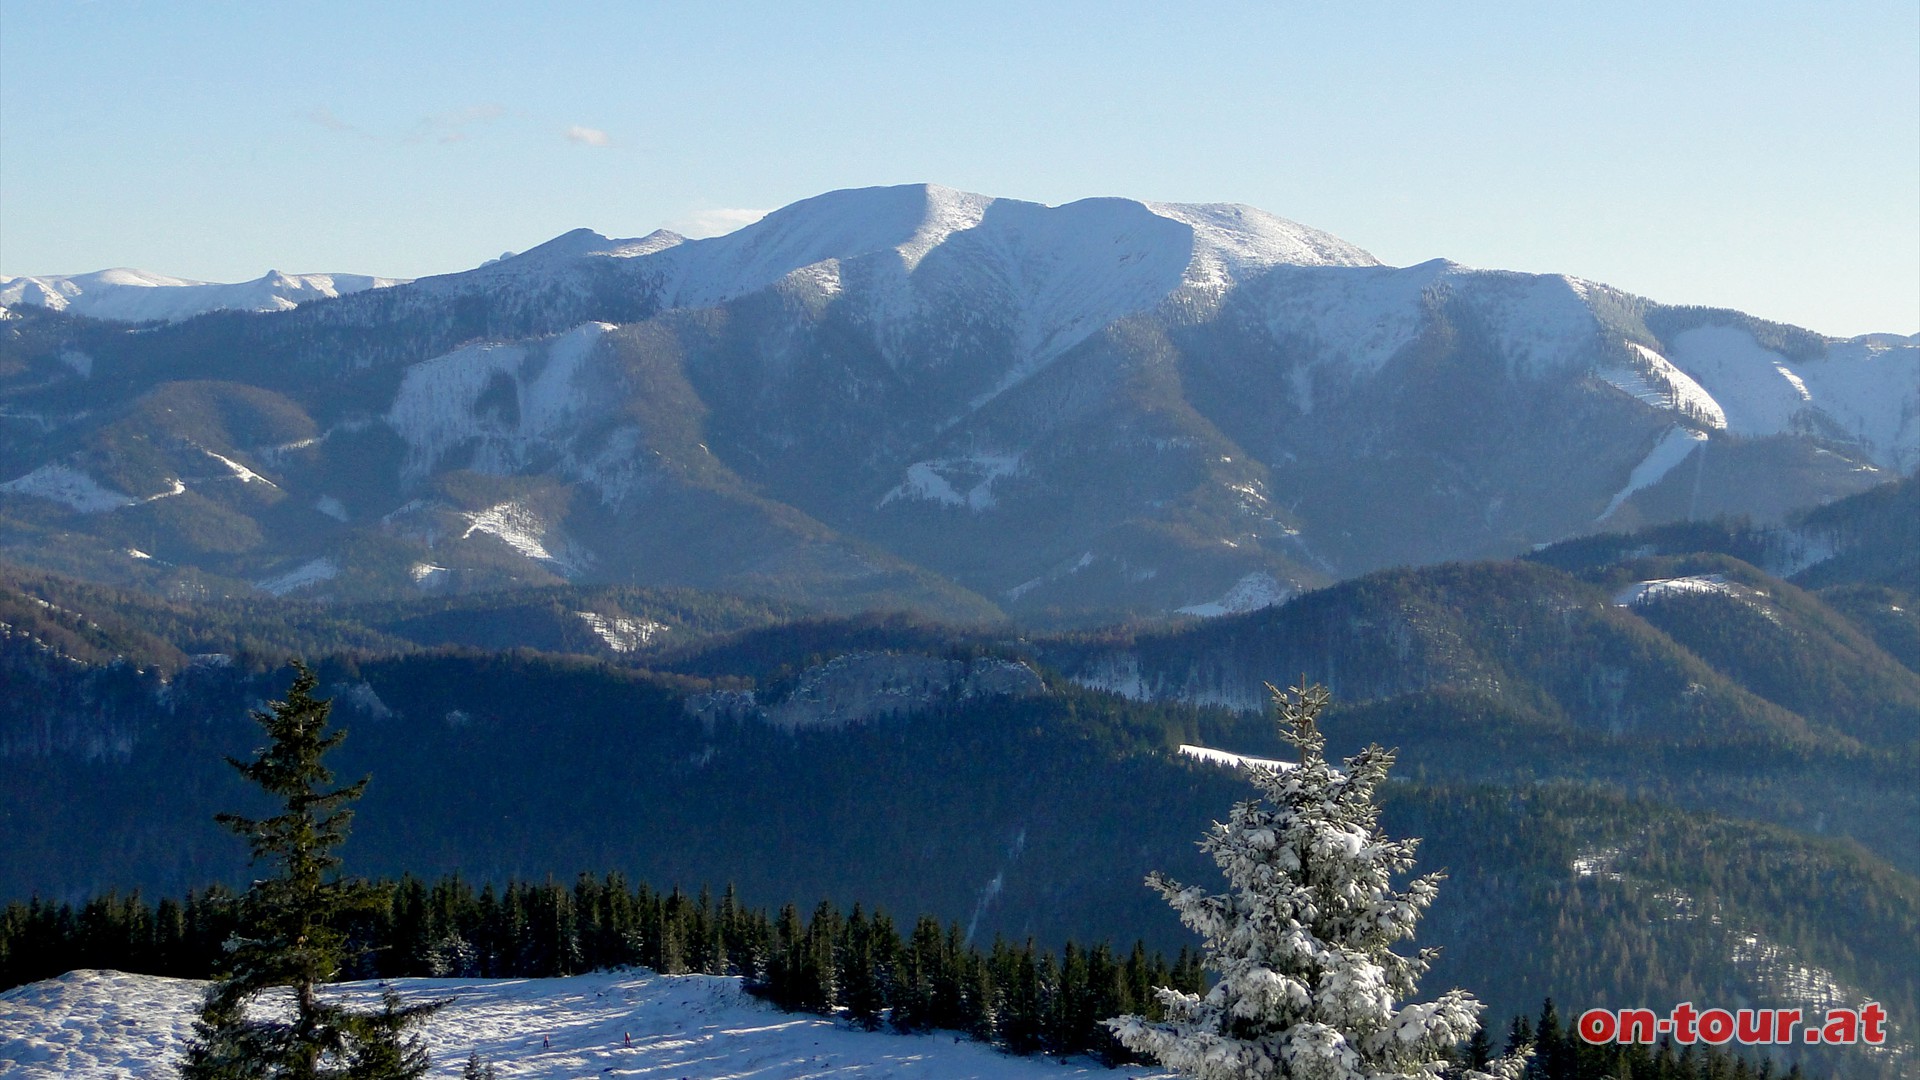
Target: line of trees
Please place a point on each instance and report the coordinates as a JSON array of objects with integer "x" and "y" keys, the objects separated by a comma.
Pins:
[{"x": 920, "y": 978}]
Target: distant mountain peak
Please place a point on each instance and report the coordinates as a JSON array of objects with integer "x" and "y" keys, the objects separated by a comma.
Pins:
[{"x": 124, "y": 294}]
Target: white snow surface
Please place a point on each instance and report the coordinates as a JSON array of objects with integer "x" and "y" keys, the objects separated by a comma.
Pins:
[
  {"x": 126, "y": 295},
  {"x": 68, "y": 485},
  {"x": 505, "y": 405},
  {"x": 1226, "y": 757},
  {"x": 622, "y": 634},
  {"x": 1643, "y": 591},
  {"x": 1357, "y": 317},
  {"x": 439, "y": 404},
  {"x": 1251, "y": 593},
  {"x": 957, "y": 481},
  {"x": 524, "y": 530},
  {"x": 1044, "y": 277},
  {"x": 240, "y": 472},
  {"x": 1207, "y": 245},
  {"x": 311, "y": 572},
  {"x": 1651, "y": 379},
  {"x": 108, "y": 1025},
  {"x": 1864, "y": 390},
  {"x": 1673, "y": 448}
]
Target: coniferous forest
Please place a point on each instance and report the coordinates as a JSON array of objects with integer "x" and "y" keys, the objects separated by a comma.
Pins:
[
  {"x": 1711, "y": 815},
  {"x": 858, "y": 964}
]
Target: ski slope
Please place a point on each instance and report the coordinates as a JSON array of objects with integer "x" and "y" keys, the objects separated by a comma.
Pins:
[{"x": 109, "y": 1025}]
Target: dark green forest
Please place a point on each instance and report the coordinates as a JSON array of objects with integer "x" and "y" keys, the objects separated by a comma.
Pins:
[{"x": 1692, "y": 794}]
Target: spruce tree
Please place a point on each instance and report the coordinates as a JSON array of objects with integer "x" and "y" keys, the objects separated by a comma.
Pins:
[
  {"x": 288, "y": 931},
  {"x": 1308, "y": 985}
]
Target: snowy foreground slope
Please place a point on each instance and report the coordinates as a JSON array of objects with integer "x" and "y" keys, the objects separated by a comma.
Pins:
[{"x": 94, "y": 1025}]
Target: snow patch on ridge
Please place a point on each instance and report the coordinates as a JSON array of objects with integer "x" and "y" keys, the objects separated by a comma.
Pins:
[
  {"x": 622, "y": 635},
  {"x": 308, "y": 573},
  {"x": 1052, "y": 275},
  {"x": 239, "y": 471},
  {"x": 957, "y": 481},
  {"x": 1537, "y": 318},
  {"x": 1230, "y": 240},
  {"x": 1238, "y": 761},
  {"x": 525, "y": 531},
  {"x": 504, "y": 401},
  {"x": 67, "y": 485},
  {"x": 1656, "y": 382},
  {"x": 126, "y": 295},
  {"x": 1085, "y": 560},
  {"x": 1673, "y": 448},
  {"x": 1647, "y": 591},
  {"x": 1251, "y": 593},
  {"x": 1754, "y": 384},
  {"x": 1866, "y": 391}
]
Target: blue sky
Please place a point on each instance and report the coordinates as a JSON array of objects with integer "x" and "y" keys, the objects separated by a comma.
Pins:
[{"x": 1755, "y": 155}]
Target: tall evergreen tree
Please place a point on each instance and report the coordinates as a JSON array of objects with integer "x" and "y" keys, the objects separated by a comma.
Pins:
[
  {"x": 1308, "y": 984},
  {"x": 289, "y": 925}
]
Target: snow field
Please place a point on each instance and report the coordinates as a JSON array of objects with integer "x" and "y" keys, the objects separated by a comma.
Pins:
[
  {"x": 138, "y": 296},
  {"x": 64, "y": 484},
  {"x": 1251, "y": 593},
  {"x": 311, "y": 572},
  {"x": 1643, "y": 591},
  {"x": 108, "y": 1025},
  {"x": 1673, "y": 448}
]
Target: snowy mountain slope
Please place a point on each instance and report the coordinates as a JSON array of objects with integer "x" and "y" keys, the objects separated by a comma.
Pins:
[
  {"x": 109, "y": 1025},
  {"x": 1858, "y": 392},
  {"x": 126, "y": 295},
  {"x": 1105, "y": 406}
]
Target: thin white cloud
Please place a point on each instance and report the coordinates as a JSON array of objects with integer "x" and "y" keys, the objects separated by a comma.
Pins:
[
  {"x": 587, "y": 136},
  {"x": 701, "y": 223},
  {"x": 326, "y": 119},
  {"x": 453, "y": 127}
]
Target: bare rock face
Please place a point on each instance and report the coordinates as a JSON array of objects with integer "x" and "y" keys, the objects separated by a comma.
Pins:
[{"x": 863, "y": 686}]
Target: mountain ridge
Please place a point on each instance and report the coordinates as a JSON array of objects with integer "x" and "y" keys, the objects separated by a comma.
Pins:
[{"x": 914, "y": 396}]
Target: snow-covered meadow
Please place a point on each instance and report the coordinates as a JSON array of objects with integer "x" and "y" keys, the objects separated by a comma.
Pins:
[{"x": 109, "y": 1025}]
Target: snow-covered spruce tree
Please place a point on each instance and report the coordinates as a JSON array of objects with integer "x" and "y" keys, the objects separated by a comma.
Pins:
[
  {"x": 288, "y": 934},
  {"x": 1308, "y": 986}
]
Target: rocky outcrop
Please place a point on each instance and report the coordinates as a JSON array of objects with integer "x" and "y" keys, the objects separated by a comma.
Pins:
[{"x": 863, "y": 686}]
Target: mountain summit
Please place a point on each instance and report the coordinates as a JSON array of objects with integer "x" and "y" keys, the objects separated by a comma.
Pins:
[{"x": 914, "y": 396}]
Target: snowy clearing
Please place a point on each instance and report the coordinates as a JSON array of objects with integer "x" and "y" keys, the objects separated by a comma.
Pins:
[
  {"x": 522, "y": 529},
  {"x": 1251, "y": 593},
  {"x": 1643, "y": 591},
  {"x": 63, "y": 484},
  {"x": 240, "y": 472},
  {"x": 96, "y": 1025},
  {"x": 1652, "y": 380},
  {"x": 1673, "y": 448},
  {"x": 622, "y": 635},
  {"x": 956, "y": 481},
  {"x": 311, "y": 572},
  {"x": 1226, "y": 757}
]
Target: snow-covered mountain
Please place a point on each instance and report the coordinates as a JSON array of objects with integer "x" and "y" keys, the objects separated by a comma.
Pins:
[
  {"x": 109, "y": 1025},
  {"x": 125, "y": 295},
  {"x": 919, "y": 396}
]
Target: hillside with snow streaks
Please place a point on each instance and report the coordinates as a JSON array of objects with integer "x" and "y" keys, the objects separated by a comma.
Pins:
[
  {"x": 124, "y": 295},
  {"x": 1858, "y": 391},
  {"x": 108, "y": 1025},
  {"x": 503, "y": 401},
  {"x": 1099, "y": 407},
  {"x": 1053, "y": 274}
]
